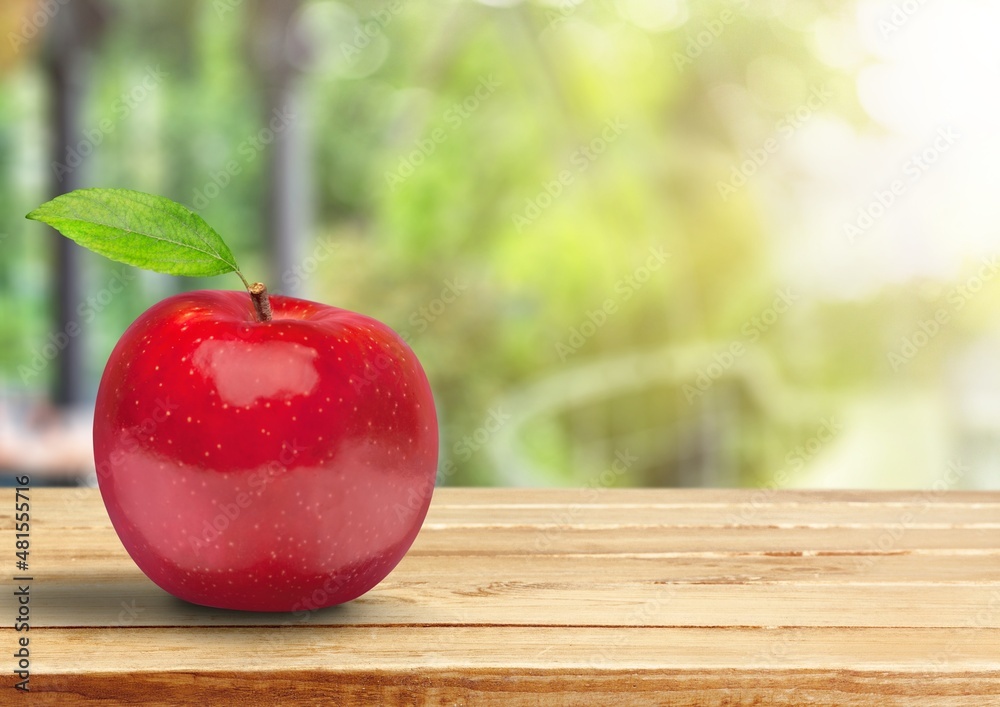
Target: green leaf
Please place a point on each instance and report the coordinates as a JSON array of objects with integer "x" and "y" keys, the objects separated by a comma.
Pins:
[{"x": 139, "y": 229}]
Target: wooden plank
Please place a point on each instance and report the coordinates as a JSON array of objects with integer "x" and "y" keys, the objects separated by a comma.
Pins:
[
  {"x": 64, "y": 563},
  {"x": 633, "y": 540},
  {"x": 702, "y": 496},
  {"x": 138, "y": 602},
  {"x": 71, "y": 508},
  {"x": 865, "y": 543},
  {"x": 348, "y": 648},
  {"x": 508, "y": 687},
  {"x": 494, "y": 665},
  {"x": 132, "y": 600},
  {"x": 931, "y": 516}
]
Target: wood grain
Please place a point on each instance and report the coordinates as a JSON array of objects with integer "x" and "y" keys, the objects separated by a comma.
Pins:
[{"x": 515, "y": 596}]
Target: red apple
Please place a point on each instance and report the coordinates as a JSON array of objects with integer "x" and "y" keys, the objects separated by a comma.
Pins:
[{"x": 281, "y": 465}]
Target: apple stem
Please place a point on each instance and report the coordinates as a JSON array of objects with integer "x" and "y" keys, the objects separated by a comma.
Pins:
[{"x": 261, "y": 302}]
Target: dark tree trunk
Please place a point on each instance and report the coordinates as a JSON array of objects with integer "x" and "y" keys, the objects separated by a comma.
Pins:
[
  {"x": 65, "y": 110},
  {"x": 74, "y": 29},
  {"x": 287, "y": 183}
]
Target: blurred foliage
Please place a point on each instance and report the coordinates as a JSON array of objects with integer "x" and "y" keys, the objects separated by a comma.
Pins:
[{"x": 417, "y": 182}]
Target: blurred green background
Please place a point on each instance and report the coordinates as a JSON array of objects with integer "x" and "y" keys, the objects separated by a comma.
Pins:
[{"x": 633, "y": 242}]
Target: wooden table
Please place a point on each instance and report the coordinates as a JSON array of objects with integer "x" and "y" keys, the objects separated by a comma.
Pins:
[{"x": 533, "y": 597}]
